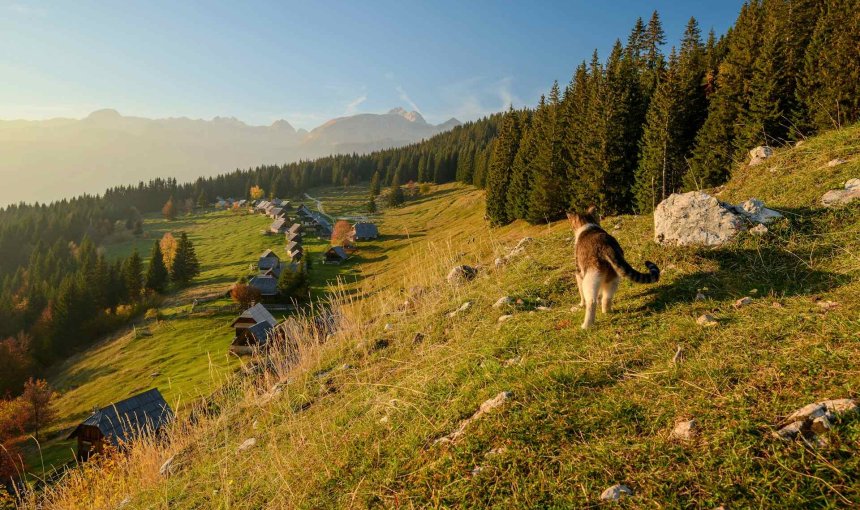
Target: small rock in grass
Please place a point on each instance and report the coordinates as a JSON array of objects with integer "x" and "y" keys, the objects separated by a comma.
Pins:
[
  {"x": 679, "y": 355},
  {"x": 777, "y": 304},
  {"x": 247, "y": 444},
  {"x": 685, "y": 430},
  {"x": 463, "y": 308},
  {"x": 513, "y": 361},
  {"x": 500, "y": 261},
  {"x": 504, "y": 318},
  {"x": 742, "y": 302},
  {"x": 759, "y": 230},
  {"x": 835, "y": 162},
  {"x": 503, "y": 301},
  {"x": 543, "y": 308},
  {"x": 255, "y": 425},
  {"x": 828, "y": 305},
  {"x": 700, "y": 296},
  {"x": 616, "y": 492},
  {"x": 496, "y": 451},
  {"x": 477, "y": 470},
  {"x": 383, "y": 420},
  {"x": 575, "y": 308},
  {"x": 707, "y": 320},
  {"x": 418, "y": 338},
  {"x": 461, "y": 274},
  {"x": 388, "y": 326},
  {"x": 166, "y": 469},
  {"x": 124, "y": 503}
]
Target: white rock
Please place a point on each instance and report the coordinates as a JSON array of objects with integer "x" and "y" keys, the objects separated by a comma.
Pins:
[
  {"x": 700, "y": 297},
  {"x": 828, "y": 305},
  {"x": 759, "y": 230},
  {"x": 706, "y": 320},
  {"x": 247, "y": 444},
  {"x": 543, "y": 308},
  {"x": 463, "y": 308},
  {"x": 500, "y": 261},
  {"x": 839, "y": 197},
  {"x": 685, "y": 430},
  {"x": 744, "y": 301},
  {"x": 388, "y": 326},
  {"x": 835, "y": 162},
  {"x": 755, "y": 210},
  {"x": 503, "y": 301},
  {"x": 461, "y": 274},
  {"x": 616, "y": 492},
  {"x": 759, "y": 154},
  {"x": 695, "y": 218},
  {"x": 504, "y": 318}
]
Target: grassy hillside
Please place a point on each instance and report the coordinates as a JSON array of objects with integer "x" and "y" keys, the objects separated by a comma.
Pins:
[
  {"x": 184, "y": 354},
  {"x": 357, "y": 422}
]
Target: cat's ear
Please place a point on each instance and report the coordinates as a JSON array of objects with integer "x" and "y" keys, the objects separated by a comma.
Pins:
[{"x": 570, "y": 215}]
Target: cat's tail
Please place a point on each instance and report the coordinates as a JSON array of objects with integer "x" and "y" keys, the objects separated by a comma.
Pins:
[{"x": 616, "y": 260}]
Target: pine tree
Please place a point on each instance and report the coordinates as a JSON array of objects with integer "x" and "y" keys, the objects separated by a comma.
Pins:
[
  {"x": 185, "y": 263},
  {"x": 547, "y": 194},
  {"x": 395, "y": 194},
  {"x": 375, "y": 186},
  {"x": 133, "y": 275},
  {"x": 830, "y": 83},
  {"x": 202, "y": 201},
  {"x": 519, "y": 187},
  {"x": 157, "y": 274},
  {"x": 661, "y": 164},
  {"x": 499, "y": 174}
]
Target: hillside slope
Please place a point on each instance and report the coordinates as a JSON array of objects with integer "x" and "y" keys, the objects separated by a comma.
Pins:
[{"x": 358, "y": 422}]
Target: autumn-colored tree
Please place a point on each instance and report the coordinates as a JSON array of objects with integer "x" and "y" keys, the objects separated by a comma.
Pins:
[
  {"x": 245, "y": 295},
  {"x": 168, "y": 248},
  {"x": 38, "y": 396},
  {"x": 256, "y": 192},
  {"x": 14, "y": 418},
  {"x": 342, "y": 233},
  {"x": 169, "y": 209},
  {"x": 16, "y": 363}
]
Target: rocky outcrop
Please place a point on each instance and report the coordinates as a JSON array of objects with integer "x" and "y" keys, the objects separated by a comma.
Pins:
[
  {"x": 616, "y": 492},
  {"x": 844, "y": 196},
  {"x": 486, "y": 407},
  {"x": 696, "y": 218},
  {"x": 759, "y": 154},
  {"x": 815, "y": 418}
]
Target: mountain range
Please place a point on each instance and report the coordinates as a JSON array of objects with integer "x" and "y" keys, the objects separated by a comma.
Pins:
[{"x": 57, "y": 158}]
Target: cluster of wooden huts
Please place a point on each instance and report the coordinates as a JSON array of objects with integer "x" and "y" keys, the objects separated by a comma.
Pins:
[{"x": 229, "y": 202}]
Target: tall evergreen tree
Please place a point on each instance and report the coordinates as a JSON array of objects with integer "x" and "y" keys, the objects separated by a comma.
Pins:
[
  {"x": 375, "y": 186},
  {"x": 156, "y": 274},
  {"x": 547, "y": 168},
  {"x": 185, "y": 263},
  {"x": 499, "y": 174},
  {"x": 519, "y": 188},
  {"x": 133, "y": 275}
]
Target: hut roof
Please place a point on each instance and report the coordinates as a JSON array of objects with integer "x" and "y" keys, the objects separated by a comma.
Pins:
[
  {"x": 124, "y": 420},
  {"x": 266, "y": 284},
  {"x": 365, "y": 230},
  {"x": 258, "y": 313},
  {"x": 336, "y": 251}
]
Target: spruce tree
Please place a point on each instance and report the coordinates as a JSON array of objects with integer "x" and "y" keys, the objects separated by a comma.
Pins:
[
  {"x": 519, "y": 187},
  {"x": 547, "y": 194},
  {"x": 395, "y": 194},
  {"x": 185, "y": 263},
  {"x": 157, "y": 274},
  {"x": 375, "y": 186},
  {"x": 499, "y": 173},
  {"x": 133, "y": 275}
]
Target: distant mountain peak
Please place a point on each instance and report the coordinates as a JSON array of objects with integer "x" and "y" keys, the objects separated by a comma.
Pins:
[
  {"x": 282, "y": 125},
  {"x": 412, "y": 116},
  {"x": 450, "y": 123},
  {"x": 104, "y": 114}
]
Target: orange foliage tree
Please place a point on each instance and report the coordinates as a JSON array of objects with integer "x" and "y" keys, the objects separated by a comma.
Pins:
[
  {"x": 39, "y": 399},
  {"x": 256, "y": 193},
  {"x": 168, "y": 249},
  {"x": 342, "y": 233},
  {"x": 169, "y": 209},
  {"x": 245, "y": 295}
]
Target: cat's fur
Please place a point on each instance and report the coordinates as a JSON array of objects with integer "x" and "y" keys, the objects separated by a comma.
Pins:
[{"x": 599, "y": 263}]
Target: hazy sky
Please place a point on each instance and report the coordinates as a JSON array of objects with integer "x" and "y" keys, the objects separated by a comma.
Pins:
[{"x": 308, "y": 61}]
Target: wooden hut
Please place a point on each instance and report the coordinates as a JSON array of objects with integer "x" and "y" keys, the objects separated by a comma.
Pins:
[{"x": 122, "y": 422}]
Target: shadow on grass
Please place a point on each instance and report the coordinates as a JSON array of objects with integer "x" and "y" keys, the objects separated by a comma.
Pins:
[{"x": 769, "y": 269}]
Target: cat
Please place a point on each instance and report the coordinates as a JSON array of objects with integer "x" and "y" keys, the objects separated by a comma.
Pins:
[{"x": 599, "y": 263}]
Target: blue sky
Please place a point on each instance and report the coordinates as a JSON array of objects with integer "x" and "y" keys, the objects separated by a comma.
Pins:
[{"x": 308, "y": 61}]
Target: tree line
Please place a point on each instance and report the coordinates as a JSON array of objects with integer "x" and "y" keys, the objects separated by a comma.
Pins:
[{"x": 627, "y": 132}]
